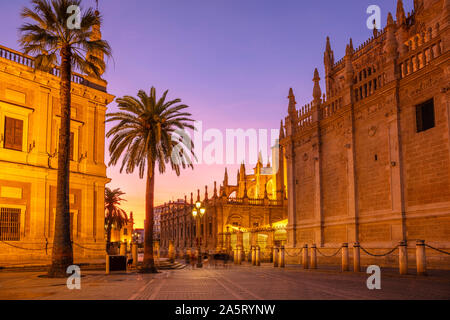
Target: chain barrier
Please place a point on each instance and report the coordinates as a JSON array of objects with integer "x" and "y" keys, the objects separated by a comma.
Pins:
[
  {"x": 47, "y": 248},
  {"x": 295, "y": 254},
  {"x": 328, "y": 256},
  {"x": 30, "y": 249},
  {"x": 439, "y": 250},
  {"x": 379, "y": 255}
]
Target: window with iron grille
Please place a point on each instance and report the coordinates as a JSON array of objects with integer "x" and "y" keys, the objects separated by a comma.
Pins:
[{"x": 9, "y": 224}]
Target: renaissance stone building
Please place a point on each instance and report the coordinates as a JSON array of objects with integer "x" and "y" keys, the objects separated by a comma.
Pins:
[
  {"x": 29, "y": 126},
  {"x": 369, "y": 160},
  {"x": 251, "y": 212}
]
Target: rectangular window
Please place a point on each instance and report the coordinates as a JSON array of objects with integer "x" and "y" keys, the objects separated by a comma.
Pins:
[
  {"x": 125, "y": 231},
  {"x": 9, "y": 224},
  {"x": 425, "y": 115},
  {"x": 13, "y": 134}
]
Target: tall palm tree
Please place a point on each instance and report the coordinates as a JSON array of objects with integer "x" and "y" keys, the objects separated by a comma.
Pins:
[
  {"x": 53, "y": 44},
  {"x": 150, "y": 133},
  {"x": 114, "y": 215}
]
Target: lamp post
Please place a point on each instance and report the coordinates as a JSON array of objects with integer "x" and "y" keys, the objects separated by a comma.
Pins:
[{"x": 197, "y": 212}]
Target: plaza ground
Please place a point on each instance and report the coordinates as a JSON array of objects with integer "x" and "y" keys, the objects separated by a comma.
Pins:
[{"x": 232, "y": 283}]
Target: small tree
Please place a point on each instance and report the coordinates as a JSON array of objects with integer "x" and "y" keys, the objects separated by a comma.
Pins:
[{"x": 114, "y": 215}]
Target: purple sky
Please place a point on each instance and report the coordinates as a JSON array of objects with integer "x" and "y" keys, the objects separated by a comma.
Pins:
[{"x": 231, "y": 61}]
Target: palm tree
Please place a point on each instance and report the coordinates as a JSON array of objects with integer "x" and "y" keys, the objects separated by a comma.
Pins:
[
  {"x": 114, "y": 215},
  {"x": 53, "y": 44},
  {"x": 150, "y": 133}
]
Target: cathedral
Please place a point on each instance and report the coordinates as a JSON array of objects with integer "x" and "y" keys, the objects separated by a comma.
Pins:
[{"x": 366, "y": 162}]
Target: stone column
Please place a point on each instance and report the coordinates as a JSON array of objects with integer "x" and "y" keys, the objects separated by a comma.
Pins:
[
  {"x": 356, "y": 257},
  {"x": 313, "y": 258},
  {"x": 239, "y": 255},
  {"x": 421, "y": 261},
  {"x": 235, "y": 255},
  {"x": 134, "y": 253},
  {"x": 403, "y": 258},
  {"x": 275, "y": 256},
  {"x": 305, "y": 256},
  {"x": 345, "y": 257},
  {"x": 281, "y": 262}
]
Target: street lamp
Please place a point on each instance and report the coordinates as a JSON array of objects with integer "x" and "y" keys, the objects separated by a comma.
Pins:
[{"x": 198, "y": 212}]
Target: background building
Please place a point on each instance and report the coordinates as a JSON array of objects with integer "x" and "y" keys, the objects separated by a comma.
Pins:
[
  {"x": 251, "y": 212},
  {"x": 368, "y": 161},
  {"x": 29, "y": 126},
  {"x": 124, "y": 234}
]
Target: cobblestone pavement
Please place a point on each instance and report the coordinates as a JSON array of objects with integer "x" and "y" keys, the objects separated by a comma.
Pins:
[{"x": 232, "y": 283}]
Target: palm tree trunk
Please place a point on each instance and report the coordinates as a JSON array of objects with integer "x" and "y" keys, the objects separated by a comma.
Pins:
[
  {"x": 108, "y": 236},
  {"x": 62, "y": 255},
  {"x": 149, "y": 260}
]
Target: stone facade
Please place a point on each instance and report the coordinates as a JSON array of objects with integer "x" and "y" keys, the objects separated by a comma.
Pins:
[
  {"x": 252, "y": 212},
  {"x": 368, "y": 161},
  {"x": 29, "y": 125}
]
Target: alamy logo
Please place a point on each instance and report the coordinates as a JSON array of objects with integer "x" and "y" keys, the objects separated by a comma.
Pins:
[
  {"x": 74, "y": 20},
  {"x": 374, "y": 20},
  {"x": 374, "y": 281},
  {"x": 74, "y": 280}
]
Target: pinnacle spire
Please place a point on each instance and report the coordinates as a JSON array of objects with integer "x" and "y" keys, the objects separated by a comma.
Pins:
[
  {"x": 390, "y": 20},
  {"x": 400, "y": 15},
  {"x": 317, "y": 92},
  {"x": 225, "y": 177},
  {"x": 281, "y": 136},
  {"x": 328, "y": 46},
  {"x": 292, "y": 101},
  {"x": 260, "y": 159},
  {"x": 328, "y": 56}
]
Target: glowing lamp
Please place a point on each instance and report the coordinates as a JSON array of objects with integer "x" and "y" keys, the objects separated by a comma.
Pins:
[{"x": 194, "y": 212}]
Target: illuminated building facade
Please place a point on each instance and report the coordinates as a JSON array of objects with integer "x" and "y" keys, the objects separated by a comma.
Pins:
[
  {"x": 251, "y": 212},
  {"x": 29, "y": 127},
  {"x": 369, "y": 161}
]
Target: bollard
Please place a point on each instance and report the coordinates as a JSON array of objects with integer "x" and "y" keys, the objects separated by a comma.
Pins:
[
  {"x": 403, "y": 257},
  {"x": 134, "y": 253},
  {"x": 107, "y": 264},
  {"x": 253, "y": 256},
  {"x": 356, "y": 258},
  {"x": 258, "y": 256},
  {"x": 275, "y": 256},
  {"x": 421, "y": 261},
  {"x": 313, "y": 258},
  {"x": 345, "y": 257},
  {"x": 305, "y": 256},
  {"x": 239, "y": 255},
  {"x": 123, "y": 249},
  {"x": 281, "y": 257}
]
